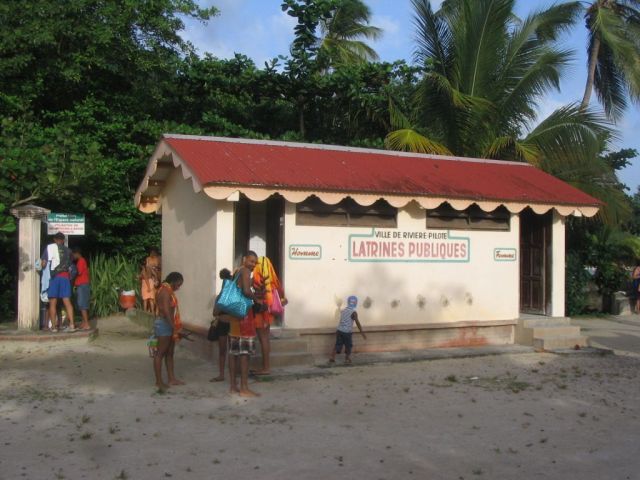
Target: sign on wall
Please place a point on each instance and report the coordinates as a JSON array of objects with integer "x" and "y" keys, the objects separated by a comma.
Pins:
[
  {"x": 67, "y": 223},
  {"x": 305, "y": 252},
  {"x": 505, "y": 254},
  {"x": 409, "y": 246}
]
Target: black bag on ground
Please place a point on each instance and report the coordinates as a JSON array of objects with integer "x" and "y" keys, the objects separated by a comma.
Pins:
[{"x": 212, "y": 334}]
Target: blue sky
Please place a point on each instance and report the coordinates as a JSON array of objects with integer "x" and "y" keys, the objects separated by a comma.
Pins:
[{"x": 260, "y": 30}]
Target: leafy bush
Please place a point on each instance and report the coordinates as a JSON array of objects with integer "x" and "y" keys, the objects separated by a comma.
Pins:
[
  {"x": 576, "y": 279},
  {"x": 109, "y": 275}
]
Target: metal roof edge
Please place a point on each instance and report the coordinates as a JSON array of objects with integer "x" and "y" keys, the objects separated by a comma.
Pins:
[
  {"x": 311, "y": 190},
  {"x": 339, "y": 148}
]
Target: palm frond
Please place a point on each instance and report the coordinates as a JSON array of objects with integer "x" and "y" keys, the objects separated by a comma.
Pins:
[
  {"x": 409, "y": 140},
  {"x": 433, "y": 37},
  {"x": 480, "y": 37},
  {"x": 343, "y": 34},
  {"x": 617, "y": 27},
  {"x": 555, "y": 20}
]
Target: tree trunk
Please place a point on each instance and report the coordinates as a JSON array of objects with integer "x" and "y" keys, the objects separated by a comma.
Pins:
[{"x": 591, "y": 75}]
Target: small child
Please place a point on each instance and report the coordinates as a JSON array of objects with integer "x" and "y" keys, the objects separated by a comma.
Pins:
[{"x": 344, "y": 332}]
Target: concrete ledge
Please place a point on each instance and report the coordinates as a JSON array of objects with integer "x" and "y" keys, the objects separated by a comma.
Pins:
[
  {"x": 414, "y": 326},
  {"x": 45, "y": 336},
  {"x": 400, "y": 338}
]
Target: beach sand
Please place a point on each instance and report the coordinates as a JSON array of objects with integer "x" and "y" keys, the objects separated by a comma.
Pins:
[{"x": 89, "y": 410}]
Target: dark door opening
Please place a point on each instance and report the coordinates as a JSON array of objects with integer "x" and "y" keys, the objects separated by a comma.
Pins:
[
  {"x": 535, "y": 262},
  {"x": 260, "y": 226}
]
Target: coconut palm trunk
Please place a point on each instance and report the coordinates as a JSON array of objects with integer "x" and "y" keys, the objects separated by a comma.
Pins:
[{"x": 591, "y": 75}]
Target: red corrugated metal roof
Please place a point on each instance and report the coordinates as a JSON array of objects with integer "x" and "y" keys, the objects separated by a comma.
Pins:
[{"x": 221, "y": 161}]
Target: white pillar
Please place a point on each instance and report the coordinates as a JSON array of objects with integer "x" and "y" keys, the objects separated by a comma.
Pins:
[
  {"x": 29, "y": 223},
  {"x": 557, "y": 265},
  {"x": 225, "y": 239}
]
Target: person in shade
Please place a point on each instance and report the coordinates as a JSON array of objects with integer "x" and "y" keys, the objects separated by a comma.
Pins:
[
  {"x": 635, "y": 285},
  {"x": 57, "y": 257},
  {"x": 344, "y": 333},
  {"x": 150, "y": 276},
  {"x": 266, "y": 281},
  {"x": 167, "y": 328},
  {"x": 82, "y": 283}
]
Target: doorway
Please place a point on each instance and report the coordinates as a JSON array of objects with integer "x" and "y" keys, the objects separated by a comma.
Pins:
[
  {"x": 535, "y": 262},
  {"x": 259, "y": 226}
]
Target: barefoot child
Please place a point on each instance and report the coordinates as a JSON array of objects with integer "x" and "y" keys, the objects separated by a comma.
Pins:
[{"x": 344, "y": 332}]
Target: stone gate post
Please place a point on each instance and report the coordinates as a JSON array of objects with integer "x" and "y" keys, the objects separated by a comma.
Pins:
[{"x": 30, "y": 218}]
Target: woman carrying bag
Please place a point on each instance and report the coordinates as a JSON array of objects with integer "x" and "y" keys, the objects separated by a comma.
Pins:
[
  {"x": 266, "y": 280},
  {"x": 235, "y": 302}
]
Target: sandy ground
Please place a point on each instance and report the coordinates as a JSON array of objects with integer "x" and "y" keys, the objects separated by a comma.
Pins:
[{"x": 89, "y": 411}]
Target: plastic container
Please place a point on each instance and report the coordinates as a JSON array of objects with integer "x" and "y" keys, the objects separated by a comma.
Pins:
[
  {"x": 152, "y": 343},
  {"x": 127, "y": 299}
]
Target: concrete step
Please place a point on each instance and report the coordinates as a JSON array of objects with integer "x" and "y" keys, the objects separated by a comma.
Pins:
[
  {"x": 547, "y": 332},
  {"x": 279, "y": 332},
  {"x": 545, "y": 322},
  {"x": 287, "y": 359},
  {"x": 282, "y": 345},
  {"x": 559, "y": 342}
]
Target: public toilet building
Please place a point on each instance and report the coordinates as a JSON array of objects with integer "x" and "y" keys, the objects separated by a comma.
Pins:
[{"x": 441, "y": 251}]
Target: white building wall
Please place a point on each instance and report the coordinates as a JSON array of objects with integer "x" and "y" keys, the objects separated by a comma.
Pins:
[
  {"x": 557, "y": 265},
  {"x": 188, "y": 246},
  {"x": 399, "y": 293}
]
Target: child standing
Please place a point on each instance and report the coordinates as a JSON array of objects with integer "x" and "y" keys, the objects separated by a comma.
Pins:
[
  {"x": 82, "y": 283},
  {"x": 344, "y": 332}
]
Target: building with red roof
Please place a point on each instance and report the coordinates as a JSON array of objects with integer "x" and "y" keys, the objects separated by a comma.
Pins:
[{"x": 441, "y": 251}]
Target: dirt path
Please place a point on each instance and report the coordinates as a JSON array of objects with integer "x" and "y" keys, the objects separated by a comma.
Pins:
[{"x": 88, "y": 411}]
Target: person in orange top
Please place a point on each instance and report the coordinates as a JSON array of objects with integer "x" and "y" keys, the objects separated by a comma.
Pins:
[
  {"x": 265, "y": 281},
  {"x": 82, "y": 283},
  {"x": 166, "y": 327}
]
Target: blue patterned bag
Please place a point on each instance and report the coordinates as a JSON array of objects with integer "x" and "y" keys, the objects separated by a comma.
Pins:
[{"x": 231, "y": 299}]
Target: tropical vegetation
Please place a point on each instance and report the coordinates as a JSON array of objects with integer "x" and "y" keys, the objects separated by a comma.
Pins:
[
  {"x": 88, "y": 86},
  {"x": 613, "y": 69}
]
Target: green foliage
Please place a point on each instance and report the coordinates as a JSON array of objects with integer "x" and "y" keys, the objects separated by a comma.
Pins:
[
  {"x": 576, "y": 280},
  {"x": 341, "y": 24},
  {"x": 109, "y": 275},
  {"x": 605, "y": 249},
  {"x": 621, "y": 158}
]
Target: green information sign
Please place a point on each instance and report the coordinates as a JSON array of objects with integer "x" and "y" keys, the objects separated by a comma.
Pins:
[{"x": 67, "y": 223}]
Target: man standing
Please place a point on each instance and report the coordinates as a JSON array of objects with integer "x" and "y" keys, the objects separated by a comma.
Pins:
[
  {"x": 57, "y": 257},
  {"x": 83, "y": 287}
]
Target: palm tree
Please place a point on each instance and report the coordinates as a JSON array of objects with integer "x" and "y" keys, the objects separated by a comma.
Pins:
[
  {"x": 485, "y": 70},
  {"x": 613, "y": 67},
  {"x": 343, "y": 34}
]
